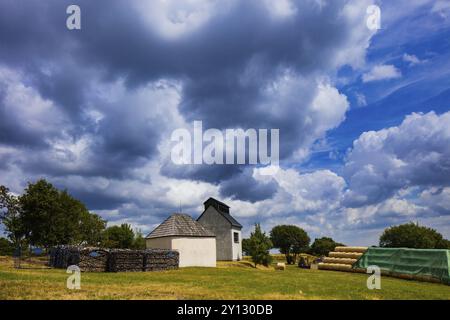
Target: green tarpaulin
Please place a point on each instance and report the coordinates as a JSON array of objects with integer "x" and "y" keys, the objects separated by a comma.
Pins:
[{"x": 420, "y": 263}]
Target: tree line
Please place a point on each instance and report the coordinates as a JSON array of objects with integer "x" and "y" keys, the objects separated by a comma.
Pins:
[
  {"x": 43, "y": 216},
  {"x": 292, "y": 241}
]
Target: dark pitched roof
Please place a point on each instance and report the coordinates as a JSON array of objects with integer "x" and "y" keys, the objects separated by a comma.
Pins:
[
  {"x": 232, "y": 220},
  {"x": 217, "y": 201},
  {"x": 226, "y": 214},
  {"x": 180, "y": 224}
]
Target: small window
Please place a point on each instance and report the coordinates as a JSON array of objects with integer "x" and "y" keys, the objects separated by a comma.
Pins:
[{"x": 236, "y": 237}]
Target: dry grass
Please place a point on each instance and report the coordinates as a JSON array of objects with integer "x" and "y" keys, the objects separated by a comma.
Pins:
[{"x": 231, "y": 280}]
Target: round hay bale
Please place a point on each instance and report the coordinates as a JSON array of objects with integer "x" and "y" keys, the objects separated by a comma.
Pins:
[
  {"x": 339, "y": 260},
  {"x": 351, "y": 249},
  {"x": 334, "y": 266},
  {"x": 280, "y": 266},
  {"x": 348, "y": 255}
]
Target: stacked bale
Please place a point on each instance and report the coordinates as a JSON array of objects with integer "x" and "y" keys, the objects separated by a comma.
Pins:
[
  {"x": 342, "y": 259},
  {"x": 345, "y": 255},
  {"x": 339, "y": 260},
  {"x": 351, "y": 249},
  {"x": 159, "y": 260},
  {"x": 123, "y": 260}
]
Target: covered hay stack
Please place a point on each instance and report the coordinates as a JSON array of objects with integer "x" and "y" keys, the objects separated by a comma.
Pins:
[
  {"x": 158, "y": 260},
  {"x": 124, "y": 260}
]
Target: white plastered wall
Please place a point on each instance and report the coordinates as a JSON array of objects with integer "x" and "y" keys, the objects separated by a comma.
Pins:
[
  {"x": 194, "y": 251},
  {"x": 236, "y": 247}
]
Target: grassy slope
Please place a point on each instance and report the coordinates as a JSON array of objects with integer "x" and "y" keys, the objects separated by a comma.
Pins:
[{"x": 229, "y": 281}]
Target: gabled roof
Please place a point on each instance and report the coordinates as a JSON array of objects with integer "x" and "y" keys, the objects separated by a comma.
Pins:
[
  {"x": 232, "y": 220},
  {"x": 180, "y": 224},
  {"x": 226, "y": 215},
  {"x": 217, "y": 201}
]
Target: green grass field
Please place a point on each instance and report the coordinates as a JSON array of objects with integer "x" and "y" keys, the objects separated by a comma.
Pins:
[{"x": 234, "y": 281}]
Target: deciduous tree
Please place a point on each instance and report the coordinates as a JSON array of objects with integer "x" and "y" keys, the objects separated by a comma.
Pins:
[
  {"x": 323, "y": 246},
  {"x": 290, "y": 240},
  {"x": 412, "y": 235}
]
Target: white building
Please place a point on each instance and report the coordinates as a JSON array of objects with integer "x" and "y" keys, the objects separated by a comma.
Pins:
[{"x": 195, "y": 243}]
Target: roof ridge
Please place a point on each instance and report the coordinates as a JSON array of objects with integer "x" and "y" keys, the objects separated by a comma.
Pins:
[{"x": 180, "y": 225}]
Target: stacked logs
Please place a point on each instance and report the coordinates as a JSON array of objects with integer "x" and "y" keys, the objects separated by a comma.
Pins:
[
  {"x": 158, "y": 260},
  {"x": 113, "y": 260},
  {"x": 122, "y": 260}
]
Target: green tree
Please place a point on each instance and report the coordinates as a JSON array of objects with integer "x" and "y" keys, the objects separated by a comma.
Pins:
[
  {"x": 139, "y": 241},
  {"x": 290, "y": 240},
  {"x": 10, "y": 217},
  {"x": 323, "y": 246},
  {"x": 6, "y": 247},
  {"x": 91, "y": 228},
  {"x": 411, "y": 235},
  {"x": 45, "y": 216},
  {"x": 121, "y": 237},
  {"x": 444, "y": 244},
  {"x": 259, "y": 246},
  {"x": 245, "y": 247}
]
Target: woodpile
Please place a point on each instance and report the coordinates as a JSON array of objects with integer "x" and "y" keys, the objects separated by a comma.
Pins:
[
  {"x": 92, "y": 260},
  {"x": 61, "y": 257},
  {"x": 88, "y": 259},
  {"x": 158, "y": 260},
  {"x": 113, "y": 260},
  {"x": 123, "y": 260}
]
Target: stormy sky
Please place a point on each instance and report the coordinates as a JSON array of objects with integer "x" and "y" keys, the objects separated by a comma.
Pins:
[{"x": 364, "y": 114}]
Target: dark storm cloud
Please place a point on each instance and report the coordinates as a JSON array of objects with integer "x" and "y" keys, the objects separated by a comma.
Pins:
[
  {"x": 224, "y": 66},
  {"x": 98, "y": 201},
  {"x": 245, "y": 187},
  {"x": 207, "y": 173}
]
